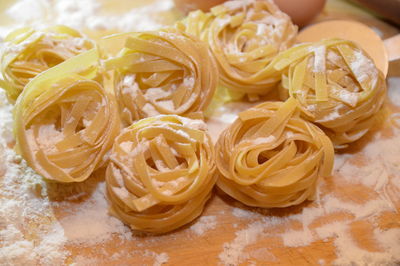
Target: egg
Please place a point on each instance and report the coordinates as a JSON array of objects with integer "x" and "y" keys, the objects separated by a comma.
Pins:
[{"x": 300, "y": 11}]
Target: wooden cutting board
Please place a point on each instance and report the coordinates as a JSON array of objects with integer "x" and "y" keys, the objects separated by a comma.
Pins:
[{"x": 350, "y": 214}]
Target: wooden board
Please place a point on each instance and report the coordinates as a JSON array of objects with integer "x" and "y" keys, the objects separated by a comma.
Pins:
[{"x": 261, "y": 236}]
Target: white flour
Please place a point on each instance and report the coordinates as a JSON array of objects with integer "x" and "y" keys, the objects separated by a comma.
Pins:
[
  {"x": 319, "y": 58},
  {"x": 24, "y": 207},
  {"x": 233, "y": 253},
  {"x": 381, "y": 176},
  {"x": 30, "y": 233},
  {"x": 83, "y": 14},
  {"x": 364, "y": 69},
  {"x": 20, "y": 203},
  {"x": 159, "y": 259},
  {"x": 93, "y": 212},
  {"x": 203, "y": 224},
  {"x": 394, "y": 90}
]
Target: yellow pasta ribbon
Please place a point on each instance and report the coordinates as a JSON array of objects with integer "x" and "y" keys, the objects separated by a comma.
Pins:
[
  {"x": 161, "y": 173},
  {"x": 271, "y": 157},
  {"x": 28, "y": 52},
  {"x": 336, "y": 84},
  {"x": 164, "y": 72},
  {"x": 66, "y": 121},
  {"x": 244, "y": 36}
]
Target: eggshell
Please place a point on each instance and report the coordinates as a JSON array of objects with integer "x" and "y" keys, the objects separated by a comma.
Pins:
[{"x": 301, "y": 11}]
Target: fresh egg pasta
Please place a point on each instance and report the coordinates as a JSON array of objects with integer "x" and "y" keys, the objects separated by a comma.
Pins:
[
  {"x": 244, "y": 36},
  {"x": 163, "y": 72},
  {"x": 161, "y": 173},
  {"x": 28, "y": 52},
  {"x": 271, "y": 157},
  {"x": 66, "y": 121},
  {"x": 337, "y": 86}
]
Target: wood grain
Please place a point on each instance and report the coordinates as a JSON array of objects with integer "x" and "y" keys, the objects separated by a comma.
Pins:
[{"x": 184, "y": 247}]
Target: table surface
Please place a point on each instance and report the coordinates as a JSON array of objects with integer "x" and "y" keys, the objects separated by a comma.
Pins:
[{"x": 349, "y": 213}]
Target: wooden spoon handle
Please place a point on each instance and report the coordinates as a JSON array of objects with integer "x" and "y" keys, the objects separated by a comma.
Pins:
[
  {"x": 389, "y": 9},
  {"x": 392, "y": 45}
]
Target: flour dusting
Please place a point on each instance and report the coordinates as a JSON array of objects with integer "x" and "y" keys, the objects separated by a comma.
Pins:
[
  {"x": 203, "y": 224},
  {"x": 25, "y": 207},
  {"x": 93, "y": 212},
  {"x": 32, "y": 233},
  {"x": 84, "y": 15}
]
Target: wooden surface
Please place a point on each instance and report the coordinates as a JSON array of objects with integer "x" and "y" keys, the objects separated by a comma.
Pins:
[
  {"x": 186, "y": 248},
  {"x": 265, "y": 247}
]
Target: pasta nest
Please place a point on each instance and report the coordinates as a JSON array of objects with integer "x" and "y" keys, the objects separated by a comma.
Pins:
[
  {"x": 28, "y": 52},
  {"x": 161, "y": 173},
  {"x": 244, "y": 36},
  {"x": 337, "y": 86},
  {"x": 66, "y": 123},
  {"x": 164, "y": 72},
  {"x": 271, "y": 157}
]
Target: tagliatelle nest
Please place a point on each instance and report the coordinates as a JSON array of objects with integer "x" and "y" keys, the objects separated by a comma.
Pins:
[
  {"x": 65, "y": 123},
  {"x": 164, "y": 72},
  {"x": 271, "y": 157},
  {"x": 337, "y": 85},
  {"x": 161, "y": 173},
  {"x": 244, "y": 37},
  {"x": 28, "y": 52}
]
